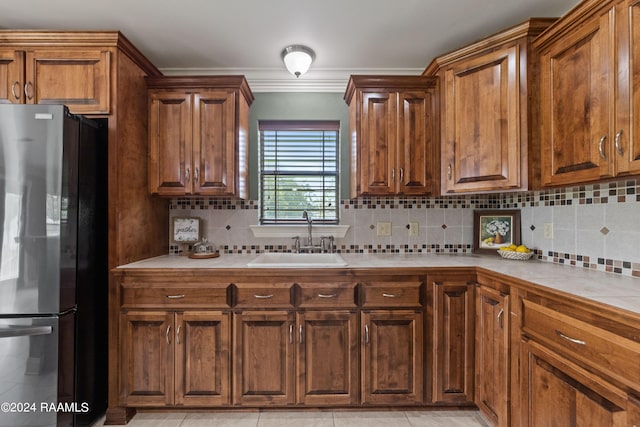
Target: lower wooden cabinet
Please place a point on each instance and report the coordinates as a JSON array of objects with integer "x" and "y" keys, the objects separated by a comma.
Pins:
[
  {"x": 392, "y": 357},
  {"x": 525, "y": 359},
  {"x": 559, "y": 391},
  {"x": 452, "y": 346},
  {"x": 313, "y": 354},
  {"x": 492, "y": 355},
  {"x": 263, "y": 351},
  {"x": 327, "y": 358},
  {"x": 175, "y": 358}
]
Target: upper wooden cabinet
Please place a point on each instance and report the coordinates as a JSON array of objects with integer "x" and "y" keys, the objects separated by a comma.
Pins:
[
  {"x": 198, "y": 135},
  {"x": 78, "y": 77},
  {"x": 489, "y": 113},
  {"x": 589, "y": 93},
  {"x": 393, "y": 127}
]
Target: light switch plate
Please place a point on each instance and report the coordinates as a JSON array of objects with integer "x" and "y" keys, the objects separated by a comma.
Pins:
[
  {"x": 548, "y": 230},
  {"x": 384, "y": 229},
  {"x": 414, "y": 229}
]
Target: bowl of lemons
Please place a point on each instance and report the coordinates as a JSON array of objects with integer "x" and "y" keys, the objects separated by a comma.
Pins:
[{"x": 520, "y": 253}]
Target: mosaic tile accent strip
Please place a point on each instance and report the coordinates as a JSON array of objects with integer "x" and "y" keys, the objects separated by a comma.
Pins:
[
  {"x": 343, "y": 249},
  {"x": 212, "y": 203}
]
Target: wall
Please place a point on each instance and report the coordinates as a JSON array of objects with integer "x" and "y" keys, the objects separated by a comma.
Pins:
[
  {"x": 298, "y": 106},
  {"x": 595, "y": 226}
]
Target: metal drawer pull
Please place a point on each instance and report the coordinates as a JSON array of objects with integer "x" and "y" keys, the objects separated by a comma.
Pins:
[
  {"x": 263, "y": 296},
  {"x": 300, "y": 334},
  {"x": 401, "y": 175},
  {"x": 290, "y": 333},
  {"x": 389, "y": 295},
  {"x": 500, "y": 313},
  {"x": 601, "y": 147},
  {"x": 449, "y": 171},
  {"x": 166, "y": 335},
  {"x": 178, "y": 334},
  {"x": 617, "y": 143},
  {"x": 573, "y": 340},
  {"x": 195, "y": 176},
  {"x": 327, "y": 295},
  {"x": 175, "y": 296},
  {"x": 366, "y": 334},
  {"x": 187, "y": 175}
]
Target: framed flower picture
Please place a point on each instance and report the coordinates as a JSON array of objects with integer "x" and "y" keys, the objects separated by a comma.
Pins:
[{"x": 495, "y": 228}]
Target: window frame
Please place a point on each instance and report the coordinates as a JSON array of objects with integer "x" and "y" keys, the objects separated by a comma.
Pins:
[{"x": 299, "y": 125}]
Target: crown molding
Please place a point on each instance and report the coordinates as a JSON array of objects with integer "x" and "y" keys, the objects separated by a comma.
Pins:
[{"x": 279, "y": 80}]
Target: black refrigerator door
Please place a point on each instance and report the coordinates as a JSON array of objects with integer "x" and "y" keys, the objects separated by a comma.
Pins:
[{"x": 37, "y": 371}]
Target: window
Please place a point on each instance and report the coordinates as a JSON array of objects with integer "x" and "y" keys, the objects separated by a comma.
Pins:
[{"x": 298, "y": 171}]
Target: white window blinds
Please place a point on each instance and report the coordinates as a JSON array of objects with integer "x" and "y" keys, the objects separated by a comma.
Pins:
[{"x": 298, "y": 171}]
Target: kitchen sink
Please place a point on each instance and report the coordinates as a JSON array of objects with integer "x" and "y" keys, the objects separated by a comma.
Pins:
[{"x": 294, "y": 260}]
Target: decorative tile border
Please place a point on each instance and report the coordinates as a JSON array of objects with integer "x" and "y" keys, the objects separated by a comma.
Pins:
[
  {"x": 212, "y": 203},
  {"x": 343, "y": 249}
]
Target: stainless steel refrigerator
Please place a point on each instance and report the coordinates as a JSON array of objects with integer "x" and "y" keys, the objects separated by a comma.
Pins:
[{"x": 53, "y": 267}]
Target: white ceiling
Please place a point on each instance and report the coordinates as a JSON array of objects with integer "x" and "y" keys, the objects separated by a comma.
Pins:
[{"x": 247, "y": 36}]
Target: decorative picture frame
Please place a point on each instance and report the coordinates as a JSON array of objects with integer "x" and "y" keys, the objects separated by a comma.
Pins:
[
  {"x": 495, "y": 228},
  {"x": 186, "y": 229}
]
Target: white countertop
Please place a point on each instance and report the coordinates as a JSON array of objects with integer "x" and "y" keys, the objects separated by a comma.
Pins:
[{"x": 613, "y": 289}]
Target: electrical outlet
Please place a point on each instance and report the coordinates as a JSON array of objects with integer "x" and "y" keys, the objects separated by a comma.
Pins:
[
  {"x": 384, "y": 229},
  {"x": 548, "y": 230},
  {"x": 414, "y": 229}
]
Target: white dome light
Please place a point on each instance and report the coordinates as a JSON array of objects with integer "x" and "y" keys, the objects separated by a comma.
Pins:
[{"x": 297, "y": 59}]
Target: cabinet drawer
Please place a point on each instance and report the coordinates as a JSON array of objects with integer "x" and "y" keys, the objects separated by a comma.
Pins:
[
  {"x": 392, "y": 294},
  {"x": 312, "y": 295},
  {"x": 202, "y": 296},
  {"x": 612, "y": 355},
  {"x": 263, "y": 295}
]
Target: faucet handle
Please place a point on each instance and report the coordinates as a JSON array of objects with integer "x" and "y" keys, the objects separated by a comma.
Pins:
[
  {"x": 323, "y": 242},
  {"x": 296, "y": 243}
]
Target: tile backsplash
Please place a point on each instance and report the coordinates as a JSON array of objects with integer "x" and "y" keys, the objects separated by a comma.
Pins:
[{"x": 594, "y": 226}]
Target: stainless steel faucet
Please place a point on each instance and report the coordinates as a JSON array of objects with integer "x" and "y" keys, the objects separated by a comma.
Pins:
[{"x": 306, "y": 216}]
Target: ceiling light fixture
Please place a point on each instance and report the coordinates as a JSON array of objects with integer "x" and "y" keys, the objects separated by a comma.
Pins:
[{"x": 297, "y": 58}]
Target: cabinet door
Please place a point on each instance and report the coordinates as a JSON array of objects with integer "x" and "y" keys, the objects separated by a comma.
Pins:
[
  {"x": 559, "y": 391},
  {"x": 481, "y": 146},
  {"x": 416, "y": 142},
  {"x": 576, "y": 90},
  {"x": 327, "y": 360},
  {"x": 453, "y": 318},
  {"x": 80, "y": 79},
  {"x": 214, "y": 143},
  {"x": 492, "y": 357},
  {"x": 146, "y": 358},
  {"x": 627, "y": 137},
  {"x": 378, "y": 144},
  {"x": 633, "y": 408},
  {"x": 11, "y": 76},
  {"x": 203, "y": 366},
  {"x": 170, "y": 143},
  {"x": 263, "y": 358},
  {"x": 392, "y": 365}
]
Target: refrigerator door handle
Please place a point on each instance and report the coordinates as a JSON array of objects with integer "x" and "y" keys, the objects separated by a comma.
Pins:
[{"x": 24, "y": 331}]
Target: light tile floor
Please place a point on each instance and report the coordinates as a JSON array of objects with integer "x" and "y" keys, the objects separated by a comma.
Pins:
[{"x": 309, "y": 419}]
